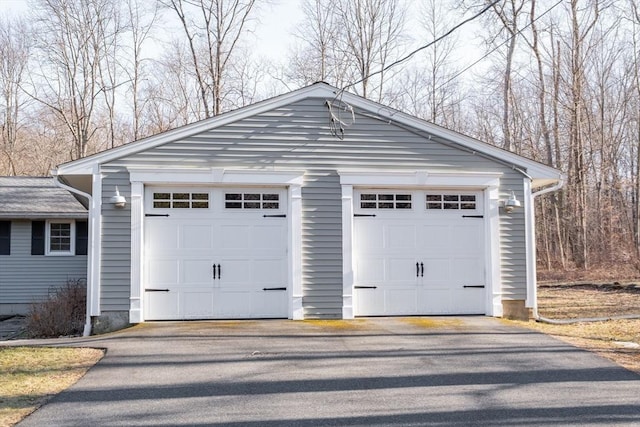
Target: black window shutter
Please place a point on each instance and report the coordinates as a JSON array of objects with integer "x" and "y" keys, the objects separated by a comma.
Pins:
[
  {"x": 37, "y": 237},
  {"x": 82, "y": 237},
  {"x": 5, "y": 237}
]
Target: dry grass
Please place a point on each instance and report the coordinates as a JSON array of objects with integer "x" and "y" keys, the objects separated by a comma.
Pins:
[
  {"x": 617, "y": 340},
  {"x": 29, "y": 376},
  {"x": 571, "y": 301}
]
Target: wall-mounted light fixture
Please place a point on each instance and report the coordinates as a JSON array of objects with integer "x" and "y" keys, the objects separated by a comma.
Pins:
[
  {"x": 511, "y": 203},
  {"x": 118, "y": 200}
]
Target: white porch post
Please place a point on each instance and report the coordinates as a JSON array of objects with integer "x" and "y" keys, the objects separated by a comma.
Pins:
[
  {"x": 530, "y": 244},
  {"x": 492, "y": 245},
  {"x": 136, "y": 313},
  {"x": 347, "y": 252},
  {"x": 296, "y": 311}
]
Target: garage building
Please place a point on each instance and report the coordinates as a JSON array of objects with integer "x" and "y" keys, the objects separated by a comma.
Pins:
[{"x": 313, "y": 204}]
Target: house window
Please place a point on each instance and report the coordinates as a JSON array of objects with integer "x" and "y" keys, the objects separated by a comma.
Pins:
[
  {"x": 60, "y": 237},
  {"x": 5, "y": 237}
]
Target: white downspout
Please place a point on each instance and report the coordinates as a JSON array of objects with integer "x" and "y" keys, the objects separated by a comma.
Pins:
[
  {"x": 535, "y": 194},
  {"x": 87, "y": 324}
]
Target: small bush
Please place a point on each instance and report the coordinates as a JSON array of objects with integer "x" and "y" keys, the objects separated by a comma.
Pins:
[{"x": 63, "y": 314}]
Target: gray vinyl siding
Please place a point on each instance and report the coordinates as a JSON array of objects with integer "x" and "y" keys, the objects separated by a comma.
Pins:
[
  {"x": 322, "y": 244},
  {"x": 115, "y": 268},
  {"x": 512, "y": 241},
  {"x": 26, "y": 278},
  {"x": 298, "y": 136}
]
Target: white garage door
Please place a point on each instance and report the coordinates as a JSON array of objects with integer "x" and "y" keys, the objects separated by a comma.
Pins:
[
  {"x": 418, "y": 252},
  {"x": 215, "y": 253}
]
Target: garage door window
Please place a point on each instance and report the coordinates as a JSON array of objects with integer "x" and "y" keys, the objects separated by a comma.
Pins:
[
  {"x": 385, "y": 201},
  {"x": 165, "y": 200},
  {"x": 451, "y": 201},
  {"x": 252, "y": 201}
]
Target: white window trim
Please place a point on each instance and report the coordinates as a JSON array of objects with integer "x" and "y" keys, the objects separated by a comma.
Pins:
[
  {"x": 291, "y": 179},
  {"x": 489, "y": 182},
  {"x": 72, "y": 243}
]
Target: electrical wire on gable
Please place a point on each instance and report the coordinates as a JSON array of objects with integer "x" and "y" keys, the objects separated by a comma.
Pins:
[{"x": 337, "y": 108}]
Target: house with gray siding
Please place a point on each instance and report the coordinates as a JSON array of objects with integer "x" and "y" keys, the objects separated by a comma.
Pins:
[
  {"x": 314, "y": 204},
  {"x": 43, "y": 241}
]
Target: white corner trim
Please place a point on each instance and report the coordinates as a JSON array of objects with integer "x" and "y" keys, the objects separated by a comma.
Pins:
[
  {"x": 492, "y": 251},
  {"x": 347, "y": 252},
  {"x": 136, "y": 312},
  {"x": 296, "y": 310},
  {"x": 530, "y": 246},
  {"x": 95, "y": 240}
]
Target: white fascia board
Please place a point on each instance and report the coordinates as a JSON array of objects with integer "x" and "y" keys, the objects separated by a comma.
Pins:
[{"x": 81, "y": 166}]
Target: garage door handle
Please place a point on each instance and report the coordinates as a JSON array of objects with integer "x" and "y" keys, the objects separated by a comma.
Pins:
[
  {"x": 156, "y": 290},
  {"x": 473, "y": 286},
  {"x": 365, "y": 287},
  {"x": 417, "y": 269},
  {"x": 219, "y": 272},
  {"x": 274, "y": 289},
  {"x": 214, "y": 272},
  {"x": 421, "y": 269}
]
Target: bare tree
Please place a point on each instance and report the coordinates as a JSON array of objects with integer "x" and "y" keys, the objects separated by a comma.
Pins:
[
  {"x": 213, "y": 29},
  {"x": 349, "y": 43},
  {"x": 509, "y": 14},
  {"x": 635, "y": 145},
  {"x": 68, "y": 77},
  {"x": 431, "y": 86},
  {"x": 372, "y": 32},
  {"x": 315, "y": 59},
  {"x": 15, "y": 50}
]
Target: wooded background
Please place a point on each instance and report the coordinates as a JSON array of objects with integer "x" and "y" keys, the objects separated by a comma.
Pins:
[{"x": 555, "y": 81}]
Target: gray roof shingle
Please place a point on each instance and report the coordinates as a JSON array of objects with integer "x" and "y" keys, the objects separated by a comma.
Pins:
[{"x": 37, "y": 197}]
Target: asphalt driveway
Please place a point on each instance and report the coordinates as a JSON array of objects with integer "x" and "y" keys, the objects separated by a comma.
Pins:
[{"x": 374, "y": 372}]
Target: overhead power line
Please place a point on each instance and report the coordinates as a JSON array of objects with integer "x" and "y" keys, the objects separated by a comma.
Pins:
[
  {"x": 458, "y": 74},
  {"x": 403, "y": 59}
]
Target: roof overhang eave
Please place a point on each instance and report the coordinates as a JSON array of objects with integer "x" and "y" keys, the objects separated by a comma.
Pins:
[{"x": 44, "y": 215}]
